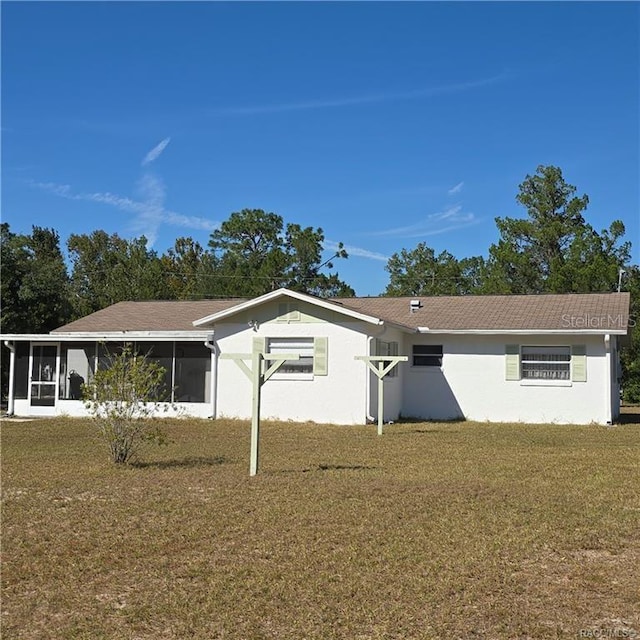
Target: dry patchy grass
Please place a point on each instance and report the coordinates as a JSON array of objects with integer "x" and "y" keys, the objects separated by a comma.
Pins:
[{"x": 457, "y": 530}]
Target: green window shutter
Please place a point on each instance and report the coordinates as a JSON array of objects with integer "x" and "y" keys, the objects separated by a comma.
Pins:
[
  {"x": 579, "y": 363},
  {"x": 512, "y": 362},
  {"x": 320, "y": 356},
  {"x": 259, "y": 345}
]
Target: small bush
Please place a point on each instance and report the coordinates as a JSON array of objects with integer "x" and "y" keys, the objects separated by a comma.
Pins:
[{"x": 122, "y": 398}]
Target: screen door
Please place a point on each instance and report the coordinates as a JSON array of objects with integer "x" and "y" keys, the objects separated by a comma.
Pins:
[{"x": 43, "y": 375}]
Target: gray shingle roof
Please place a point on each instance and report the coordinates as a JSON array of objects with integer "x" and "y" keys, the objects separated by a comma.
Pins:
[
  {"x": 158, "y": 315},
  {"x": 600, "y": 311},
  {"x": 507, "y": 312}
]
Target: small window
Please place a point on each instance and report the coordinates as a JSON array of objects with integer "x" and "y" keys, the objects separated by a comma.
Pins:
[
  {"x": 302, "y": 346},
  {"x": 388, "y": 349},
  {"x": 546, "y": 363},
  {"x": 427, "y": 355}
]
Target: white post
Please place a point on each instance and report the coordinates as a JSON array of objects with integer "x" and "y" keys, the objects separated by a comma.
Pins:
[
  {"x": 213, "y": 378},
  {"x": 385, "y": 364},
  {"x": 256, "y": 369},
  {"x": 607, "y": 352},
  {"x": 380, "y": 397},
  {"x": 214, "y": 383},
  {"x": 257, "y": 379}
]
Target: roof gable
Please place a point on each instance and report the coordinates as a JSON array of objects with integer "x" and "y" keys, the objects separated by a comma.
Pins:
[{"x": 332, "y": 305}]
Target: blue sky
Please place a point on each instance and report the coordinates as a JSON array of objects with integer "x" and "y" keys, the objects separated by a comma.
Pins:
[{"x": 386, "y": 124}]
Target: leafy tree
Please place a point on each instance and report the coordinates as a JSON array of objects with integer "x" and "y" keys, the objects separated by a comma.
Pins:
[
  {"x": 34, "y": 288},
  {"x": 108, "y": 269},
  {"x": 121, "y": 397},
  {"x": 34, "y": 284},
  {"x": 630, "y": 354},
  {"x": 254, "y": 254},
  {"x": 188, "y": 270},
  {"x": 553, "y": 250},
  {"x": 14, "y": 258},
  {"x": 420, "y": 272},
  {"x": 303, "y": 247},
  {"x": 592, "y": 261},
  {"x": 249, "y": 257},
  {"x": 474, "y": 274}
]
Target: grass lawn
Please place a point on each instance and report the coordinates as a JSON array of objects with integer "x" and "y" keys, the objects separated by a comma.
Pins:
[{"x": 457, "y": 530}]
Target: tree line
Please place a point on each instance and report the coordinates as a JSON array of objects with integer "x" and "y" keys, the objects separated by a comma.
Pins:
[{"x": 553, "y": 249}]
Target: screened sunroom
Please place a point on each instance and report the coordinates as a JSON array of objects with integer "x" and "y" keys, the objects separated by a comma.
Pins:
[{"x": 47, "y": 374}]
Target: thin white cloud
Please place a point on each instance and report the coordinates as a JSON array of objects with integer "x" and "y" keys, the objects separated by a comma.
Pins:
[
  {"x": 150, "y": 210},
  {"x": 329, "y": 245},
  {"x": 456, "y": 189},
  {"x": 148, "y": 221},
  {"x": 435, "y": 223},
  {"x": 154, "y": 154},
  {"x": 359, "y": 100}
]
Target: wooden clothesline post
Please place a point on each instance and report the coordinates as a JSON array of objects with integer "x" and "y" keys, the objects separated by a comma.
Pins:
[
  {"x": 381, "y": 370},
  {"x": 257, "y": 378}
]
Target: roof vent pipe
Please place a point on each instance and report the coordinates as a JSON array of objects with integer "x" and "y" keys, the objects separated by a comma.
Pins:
[{"x": 414, "y": 305}]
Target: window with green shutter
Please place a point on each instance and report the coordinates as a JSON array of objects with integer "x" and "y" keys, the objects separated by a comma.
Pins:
[
  {"x": 545, "y": 363},
  {"x": 579, "y": 363},
  {"x": 320, "y": 356},
  {"x": 512, "y": 362},
  {"x": 313, "y": 360}
]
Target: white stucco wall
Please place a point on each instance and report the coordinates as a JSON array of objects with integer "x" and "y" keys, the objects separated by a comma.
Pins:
[
  {"x": 338, "y": 398},
  {"x": 472, "y": 383}
]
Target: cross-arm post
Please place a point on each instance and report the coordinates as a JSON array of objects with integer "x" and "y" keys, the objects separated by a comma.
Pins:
[
  {"x": 381, "y": 370},
  {"x": 257, "y": 378}
]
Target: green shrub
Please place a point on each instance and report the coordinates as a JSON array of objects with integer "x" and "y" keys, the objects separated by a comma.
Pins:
[{"x": 122, "y": 398}]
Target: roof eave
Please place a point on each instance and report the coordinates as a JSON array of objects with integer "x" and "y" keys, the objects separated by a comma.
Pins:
[
  {"x": 86, "y": 336},
  {"x": 526, "y": 332}
]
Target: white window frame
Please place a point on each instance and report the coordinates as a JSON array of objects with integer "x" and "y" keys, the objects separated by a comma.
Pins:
[
  {"x": 557, "y": 357},
  {"x": 305, "y": 346}
]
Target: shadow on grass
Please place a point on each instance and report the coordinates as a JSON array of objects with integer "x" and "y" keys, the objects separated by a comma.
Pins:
[
  {"x": 417, "y": 420},
  {"x": 330, "y": 467},
  {"x": 340, "y": 467},
  {"x": 190, "y": 462},
  {"x": 429, "y": 431}
]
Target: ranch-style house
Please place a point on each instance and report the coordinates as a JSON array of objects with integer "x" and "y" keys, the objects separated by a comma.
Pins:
[{"x": 533, "y": 358}]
